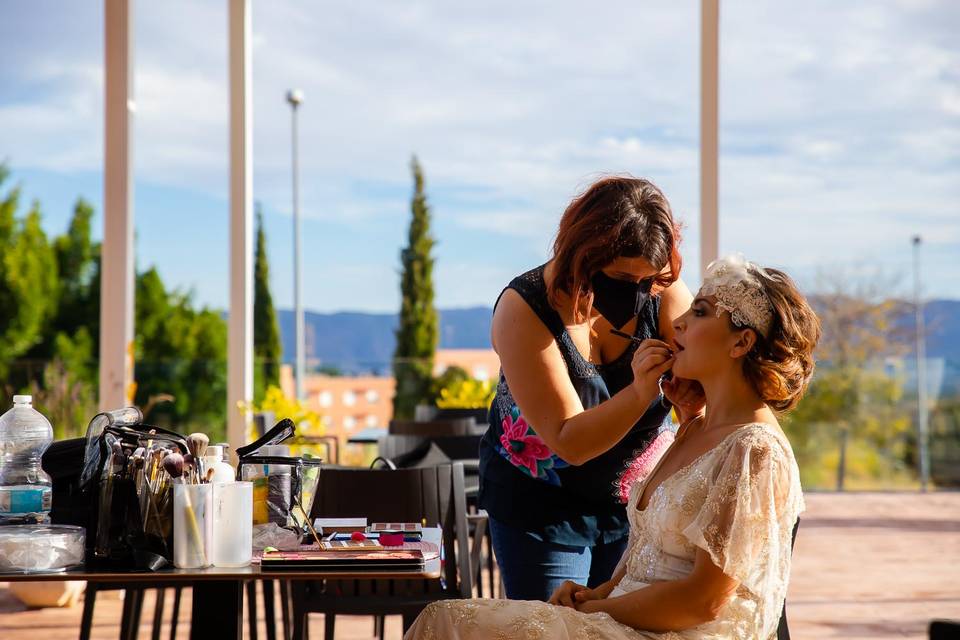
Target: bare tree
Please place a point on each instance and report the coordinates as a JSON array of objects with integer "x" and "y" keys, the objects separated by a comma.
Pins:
[{"x": 853, "y": 392}]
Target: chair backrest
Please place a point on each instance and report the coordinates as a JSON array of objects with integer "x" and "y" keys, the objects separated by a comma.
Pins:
[
  {"x": 402, "y": 449},
  {"x": 430, "y": 428},
  {"x": 783, "y": 633},
  {"x": 435, "y": 494}
]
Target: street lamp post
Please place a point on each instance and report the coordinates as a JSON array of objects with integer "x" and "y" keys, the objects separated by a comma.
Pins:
[
  {"x": 923, "y": 415},
  {"x": 295, "y": 98}
]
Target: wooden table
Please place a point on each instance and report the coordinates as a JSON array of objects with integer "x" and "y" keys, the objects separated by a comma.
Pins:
[{"x": 218, "y": 591}]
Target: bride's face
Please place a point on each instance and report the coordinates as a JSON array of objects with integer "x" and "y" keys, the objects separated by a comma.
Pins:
[{"x": 703, "y": 341}]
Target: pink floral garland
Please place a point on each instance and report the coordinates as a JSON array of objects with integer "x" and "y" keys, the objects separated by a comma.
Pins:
[{"x": 641, "y": 466}]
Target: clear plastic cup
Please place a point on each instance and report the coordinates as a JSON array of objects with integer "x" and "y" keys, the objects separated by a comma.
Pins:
[
  {"x": 232, "y": 524},
  {"x": 192, "y": 525}
]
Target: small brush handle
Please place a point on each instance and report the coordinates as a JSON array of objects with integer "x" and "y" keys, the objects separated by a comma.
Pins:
[{"x": 624, "y": 334}]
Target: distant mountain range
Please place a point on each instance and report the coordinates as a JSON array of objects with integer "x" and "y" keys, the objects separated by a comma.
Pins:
[
  {"x": 942, "y": 318},
  {"x": 364, "y": 342}
]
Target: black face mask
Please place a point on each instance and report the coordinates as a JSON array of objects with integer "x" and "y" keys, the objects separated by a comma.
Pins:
[{"x": 619, "y": 300}]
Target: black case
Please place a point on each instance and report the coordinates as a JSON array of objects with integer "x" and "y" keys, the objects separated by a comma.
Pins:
[
  {"x": 63, "y": 462},
  {"x": 301, "y": 470},
  {"x": 125, "y": 545}
]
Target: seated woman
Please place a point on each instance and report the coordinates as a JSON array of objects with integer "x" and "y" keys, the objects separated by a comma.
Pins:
[{"x": 710, "y": 536}]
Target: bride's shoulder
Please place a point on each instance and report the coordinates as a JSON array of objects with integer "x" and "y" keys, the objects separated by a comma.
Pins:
[
  {"x": 761, "y": 437},
  {"x": 762, "y": 452}
]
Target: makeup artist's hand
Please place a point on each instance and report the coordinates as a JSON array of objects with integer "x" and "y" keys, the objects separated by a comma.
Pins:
[
  {"x": 686, "y": 395},
  {"x": 650, "y": 361}
]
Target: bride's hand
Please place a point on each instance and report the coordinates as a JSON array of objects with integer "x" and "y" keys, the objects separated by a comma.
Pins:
[
  {"x": 686, "y": 395},
  {"x": 566, "y": 594},
  {"x": 586, "y": 598},
  {"x": 590, "y": 606},
  {"x": 651, "y": 360}
]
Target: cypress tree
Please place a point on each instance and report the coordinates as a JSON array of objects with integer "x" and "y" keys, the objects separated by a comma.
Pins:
[
  {"x": 266, "y": 331},
  {"x": 417, "y": 333}
]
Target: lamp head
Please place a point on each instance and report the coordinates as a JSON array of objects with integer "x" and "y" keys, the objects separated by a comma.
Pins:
[{"x": 295, "y": 97}]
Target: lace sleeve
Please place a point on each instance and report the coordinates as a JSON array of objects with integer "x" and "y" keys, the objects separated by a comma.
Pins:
[{"x": 747, "y": 519}]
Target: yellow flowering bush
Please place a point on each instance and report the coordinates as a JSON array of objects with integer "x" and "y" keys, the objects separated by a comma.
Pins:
[
  {"x": 467, "y": 394},
  {"x": 309, "y": 423}
]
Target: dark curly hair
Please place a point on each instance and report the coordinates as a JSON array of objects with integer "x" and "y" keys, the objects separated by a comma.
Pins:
[{"x": 780, "y": 365}]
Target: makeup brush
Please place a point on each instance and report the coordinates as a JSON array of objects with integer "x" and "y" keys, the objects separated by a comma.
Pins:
[
  {"x": 624, "y": 334},
  {"x": 197, "y": 445},
  {"x": 189, "y": 466},
  {"x": 144, "y": 491},
  {"x": 116, "y": 456},
  {"x": 173, "y": 465},
  {"x": 136, "y": 464}
]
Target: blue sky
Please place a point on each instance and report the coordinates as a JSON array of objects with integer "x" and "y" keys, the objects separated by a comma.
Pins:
[{"x": 840, "y": 132}]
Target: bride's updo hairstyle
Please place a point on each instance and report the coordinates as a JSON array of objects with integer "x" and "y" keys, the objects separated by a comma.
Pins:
[{"x": 780, "y": 365}]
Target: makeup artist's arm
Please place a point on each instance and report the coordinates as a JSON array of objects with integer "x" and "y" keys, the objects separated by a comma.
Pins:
[{"x": 540, "y": 384}]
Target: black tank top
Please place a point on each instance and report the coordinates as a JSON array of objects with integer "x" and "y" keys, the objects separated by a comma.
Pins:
[{"x": 524, "y": 484}]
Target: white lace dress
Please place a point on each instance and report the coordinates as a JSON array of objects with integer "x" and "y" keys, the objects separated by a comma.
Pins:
[{"x": 739, "y": 502}]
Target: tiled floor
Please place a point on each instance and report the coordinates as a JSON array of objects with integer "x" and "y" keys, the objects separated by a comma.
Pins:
[{"x": 866, "y": 566}]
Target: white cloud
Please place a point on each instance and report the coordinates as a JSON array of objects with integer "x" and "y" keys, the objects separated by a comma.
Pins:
[
  {"x": 522, "y": 223},
  {"x": 840, "y": 126}
]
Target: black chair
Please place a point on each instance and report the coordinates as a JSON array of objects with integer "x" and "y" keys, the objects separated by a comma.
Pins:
[
  {"x": 783, "y": 633},
  {"x": 944, "y": 630},
  {"x": 435, "y": 494},
  {"x": 269, "y": 609},
  {"x": 408, "y": 451},
  {"x": 132, "y": 609}
]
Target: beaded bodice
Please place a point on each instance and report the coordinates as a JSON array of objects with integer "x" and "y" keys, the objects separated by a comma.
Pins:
[{"x": 738, "y": 501}]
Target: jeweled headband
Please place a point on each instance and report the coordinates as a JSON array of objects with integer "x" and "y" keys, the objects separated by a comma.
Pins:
[{"x": 735, "y": 284}]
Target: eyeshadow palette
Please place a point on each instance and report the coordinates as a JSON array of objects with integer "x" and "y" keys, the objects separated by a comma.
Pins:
[{"x": 348, "y": 560}]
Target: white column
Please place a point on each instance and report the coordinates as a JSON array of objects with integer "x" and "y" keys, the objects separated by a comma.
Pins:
[
  {"x": 709, "y": 132},
  {"x": 240, "y": 333},
  {"x": 116, "y": 272}
]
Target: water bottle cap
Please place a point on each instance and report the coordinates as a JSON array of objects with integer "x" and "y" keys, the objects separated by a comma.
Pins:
[
  {"x": 22, "y": 399},
  {"x": 214, "y": 451}
]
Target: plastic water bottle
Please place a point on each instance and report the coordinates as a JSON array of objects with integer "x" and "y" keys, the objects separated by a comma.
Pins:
[{"x": 25, "y": 488}]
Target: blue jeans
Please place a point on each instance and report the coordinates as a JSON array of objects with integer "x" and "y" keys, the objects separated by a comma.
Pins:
[{"x": 532, "y": 569}]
